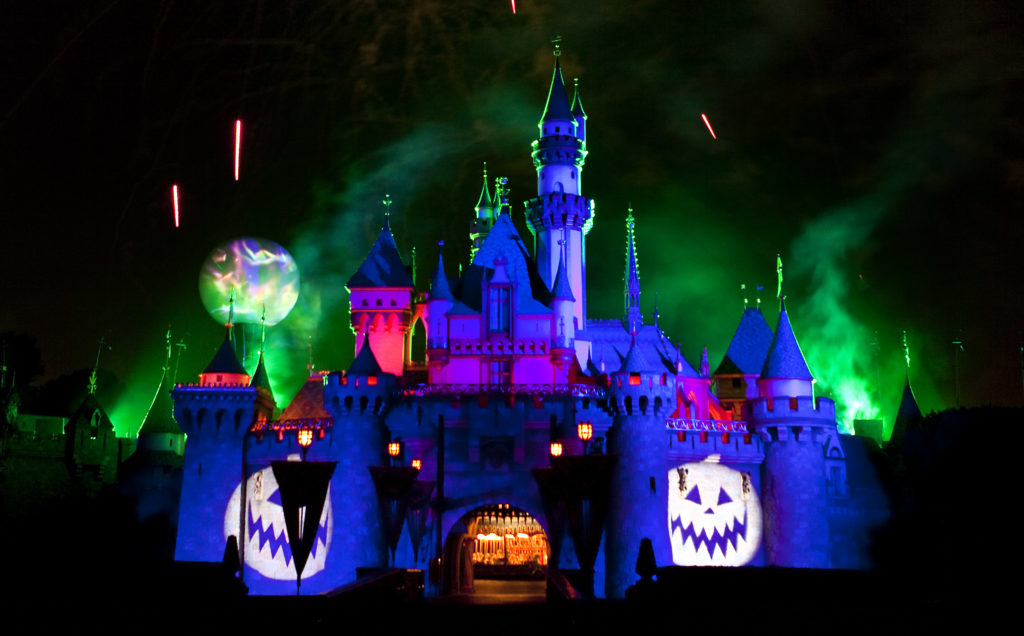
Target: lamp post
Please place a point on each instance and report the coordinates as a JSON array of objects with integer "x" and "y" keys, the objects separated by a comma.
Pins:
[
  {"x": 305, "y": 439},
  {"x": 394, "y": 450},
  {"x": 585, "y": 431},
  {"x": 556, "y": 449}
]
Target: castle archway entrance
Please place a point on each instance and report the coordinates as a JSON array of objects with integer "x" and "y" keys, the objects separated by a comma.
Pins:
[{"x": 496, "y": 549}]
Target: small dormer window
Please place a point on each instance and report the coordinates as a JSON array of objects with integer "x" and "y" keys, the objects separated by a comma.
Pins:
[
  {"x": 371, "y": 380},
  {"x": 634, "y": 379}
]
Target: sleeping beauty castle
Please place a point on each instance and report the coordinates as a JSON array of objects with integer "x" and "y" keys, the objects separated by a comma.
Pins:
[{"x": 530, "y": 435}]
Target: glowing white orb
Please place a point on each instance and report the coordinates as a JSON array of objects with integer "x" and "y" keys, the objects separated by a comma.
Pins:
[{"x": 258, "y": 271}]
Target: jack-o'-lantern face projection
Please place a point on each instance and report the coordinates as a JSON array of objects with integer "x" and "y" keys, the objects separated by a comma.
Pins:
[
  {"x": 267, "y": 549},
  {"x": 714, "y": 516}
]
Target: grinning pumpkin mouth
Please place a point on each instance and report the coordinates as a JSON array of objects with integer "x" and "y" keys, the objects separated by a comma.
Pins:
[
  {"x": 278, "y": 540},
  {"x": 732, "y": 533}
]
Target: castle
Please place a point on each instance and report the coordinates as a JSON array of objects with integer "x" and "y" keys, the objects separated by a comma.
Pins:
[{"x": 742, "y": 466}]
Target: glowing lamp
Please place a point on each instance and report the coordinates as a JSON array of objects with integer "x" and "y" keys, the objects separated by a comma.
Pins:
[
  {"x": 394, "y": 449},
  {"x": 417, "y": 464},
  {"x": 556, "y": 449},
  {"x": 305, "y": 437},
  {"x": 585, "y": 431}
]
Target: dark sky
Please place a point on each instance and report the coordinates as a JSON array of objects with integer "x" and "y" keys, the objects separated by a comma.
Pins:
[{"x": 876, "y": 145}]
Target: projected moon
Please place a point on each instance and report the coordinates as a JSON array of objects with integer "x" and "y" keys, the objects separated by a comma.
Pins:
[{"x": 259, "y": 272}]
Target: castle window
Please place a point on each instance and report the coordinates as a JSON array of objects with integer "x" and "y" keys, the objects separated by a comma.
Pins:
[
  {"x": 501, "y": 371},
  {"x": 634, "y": 379},
  {"x": 499, "y": 308},
  {"x": 379, "y": 302},
  {"x": 371, "y": 380}
]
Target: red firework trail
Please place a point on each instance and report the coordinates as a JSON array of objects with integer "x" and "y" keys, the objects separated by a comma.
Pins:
[
  {"x": 174, "y": 201},
  {"x": 708, "y": 124},
  {"x": 238, "y": 145}
]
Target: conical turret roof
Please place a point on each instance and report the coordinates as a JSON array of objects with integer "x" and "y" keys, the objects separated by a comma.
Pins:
[
  {"x": 439, "y": 288},
  {"x": 908, "y": 416},
  {"x": 562, "y": 290},
  {"x": 636, "y": 361},
  {"x": 383, "y": 266},
  {"x": 749, "y": 346},
  {"x": 557, "y": 106},
  {"x": 260, "y": 379},
  {"x": 577, "y": 103},
  {"x": 160, "y": 418},
  {"x": 485, "y": 201},
  {"x": 785, "y": 359},
  {"x": 226, "y": 360},
  {"x": 365, "y": 362}
]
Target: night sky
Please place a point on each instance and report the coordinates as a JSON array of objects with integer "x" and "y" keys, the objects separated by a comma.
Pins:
[{"x": 878, "y": 146}]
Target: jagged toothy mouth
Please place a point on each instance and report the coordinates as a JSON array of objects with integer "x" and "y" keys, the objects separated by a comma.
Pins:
[
  {"x": 278, "y": 541},
  {"x": 731, "y": 535}
]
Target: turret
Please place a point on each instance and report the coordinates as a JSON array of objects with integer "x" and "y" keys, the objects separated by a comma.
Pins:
[
  {"x": 785, "y": 373},
  {"x": 795, "y": 429},
  {"x": 631, "y": 293},
  {"x": 439, "y": 301},
  {"x": 358, "y": 401},
  {"x": 560, "y": 212},
  {"x": 641, "y": 396},
  {"x": 215, "y": 415},
  {"x": 563, "y": 332},
  {"x": 380, "y": 300}
]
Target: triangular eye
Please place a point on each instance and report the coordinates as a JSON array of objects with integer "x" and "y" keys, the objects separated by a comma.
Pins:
[
  {"x": 693, "y": 495},
  {"x": 723, "y": 497}
]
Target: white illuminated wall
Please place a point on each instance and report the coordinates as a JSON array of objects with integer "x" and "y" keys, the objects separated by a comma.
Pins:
[
  {"x": 267, "y": 550},
  {"x": 714, "y": 515}
]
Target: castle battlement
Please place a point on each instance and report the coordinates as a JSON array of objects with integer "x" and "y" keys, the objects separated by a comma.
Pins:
[{"x": 793, "y": 408}]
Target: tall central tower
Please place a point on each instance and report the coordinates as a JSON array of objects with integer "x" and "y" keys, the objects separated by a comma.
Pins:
[{"x": 560, "y": 216}]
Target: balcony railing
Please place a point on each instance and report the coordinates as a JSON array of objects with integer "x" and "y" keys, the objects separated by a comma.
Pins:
[
  {"x": 715, "y": 426},
  {"x": 575, "y": 390}
]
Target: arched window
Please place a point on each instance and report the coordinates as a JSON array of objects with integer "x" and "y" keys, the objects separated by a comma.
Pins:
[{"x": 499, "y": 314}]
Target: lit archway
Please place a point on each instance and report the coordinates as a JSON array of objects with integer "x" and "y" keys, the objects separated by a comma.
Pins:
[{"x": 494, "y": 541}]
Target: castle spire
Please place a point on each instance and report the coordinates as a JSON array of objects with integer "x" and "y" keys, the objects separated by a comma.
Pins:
[
  {"x": 484, "y": 205},
  {"x": 577, "y": 111},
  {"x": 439, "y": 288},
  {"x": 95, "y": 368},
  {"x": 634, "y": 319},
  {"x": 557, "y": 106}
]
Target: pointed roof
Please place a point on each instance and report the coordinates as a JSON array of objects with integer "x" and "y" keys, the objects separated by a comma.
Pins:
[
  {"x": 160, "y": 418},
  {"x": 577, "y": 104},
  {"x": 439, "y": 288},
  {"x": 557, "y": 106},
  {"x": 705, "y": 367},
  {"x": 562, "y": 290},
  {"x": 785, "y": 359},
  {"x": 485, "y": 201},
  {"x": 634, "y": 318},
  {"x": 365, "y": 362},
  {"x": 260, "y": 379},
  {"x": 307, "y": 407},
  {"x": 84, "y": 413},
  {"x": 226, "y": 360},
  {"x": 503, "y": 242},
  {"x": 749, "y": 346},
  {"x": 636, "y": 361},
  {"x": 908, "y": 416},
  {"x": 382, "y": 267}
]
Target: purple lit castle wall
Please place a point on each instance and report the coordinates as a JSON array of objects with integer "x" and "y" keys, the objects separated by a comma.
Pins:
[{"x": 740, "y": 466}]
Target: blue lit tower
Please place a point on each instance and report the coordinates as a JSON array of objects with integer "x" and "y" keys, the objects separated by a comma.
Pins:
[
  {"x": 357, "y": 400},
  {"x": 215, "y": 415},
  {"x": 641, "y": 397},
  {"x": 634, "y": 318},
  {"x": 795, "y": 429},
  {"x": 560, "y": 212}
]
